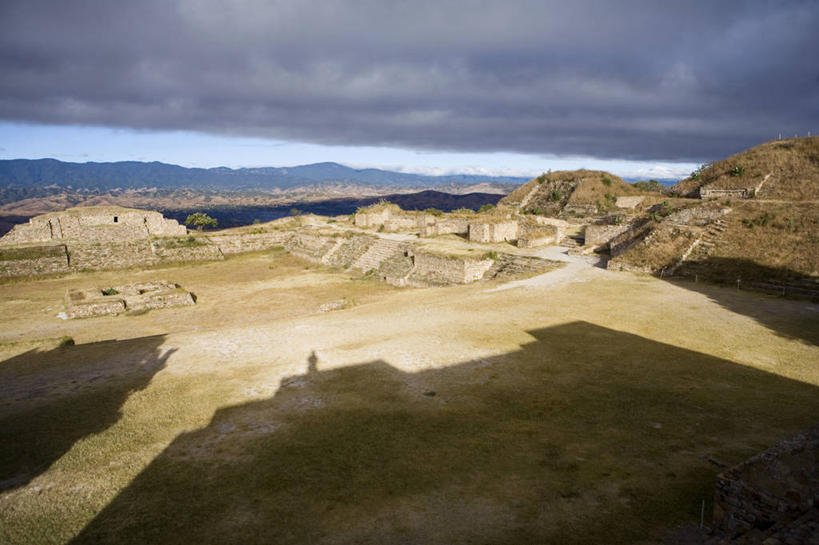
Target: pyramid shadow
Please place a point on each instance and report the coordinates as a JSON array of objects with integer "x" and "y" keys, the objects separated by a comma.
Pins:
[
  {"x": 50, "y": 400},
  {"x": 585, "y": 435}
]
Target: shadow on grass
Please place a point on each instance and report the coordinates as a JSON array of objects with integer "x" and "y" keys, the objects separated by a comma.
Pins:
[
  {"x": 715, "y": 275},
  {"x": 50, "y": 400},
  {"x": 585, "y": 435}
]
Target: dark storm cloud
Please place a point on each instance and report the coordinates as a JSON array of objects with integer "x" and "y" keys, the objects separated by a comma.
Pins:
[{"x": 632, "y": 79}]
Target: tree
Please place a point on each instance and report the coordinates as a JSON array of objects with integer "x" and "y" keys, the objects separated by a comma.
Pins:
[{"x": 200, "y": 220}]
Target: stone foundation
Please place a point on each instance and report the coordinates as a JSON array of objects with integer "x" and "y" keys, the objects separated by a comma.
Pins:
[
  {"x": 114, "y": 300},
  {"x": 433, "y": 268},
  {"x": 33, "y": 260},
  {"x": 433, "y": 226},
  {"x": 601, "y": 235},
  {"x": 779, "y": 484},
  {"x": 490, "y": 231},
  {"x": 93, "y": 224}
]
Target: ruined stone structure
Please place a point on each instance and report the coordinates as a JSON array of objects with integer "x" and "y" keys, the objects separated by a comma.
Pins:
[
  {"x": 433, "y": 226},
  {"x": 560, "y": 225},
  {"x": 399, "y": 263},
  {"x": 743, "y": 193},
  {"x": 242, "y": 242},
  {"x": 602, "y": 235},
  {"x": 131, "y": 238},
  {"x": 537, "y": 236},
  {"x": 98, "y": 238},
  {"x": 93, "y": 224},
  {"x": 773, "y": 495},
  {"x": 434, "y": 268},
  {"x": 387, "y": 217},
  {"x": 487, "y": 231},
  {"x": 115, "y": 300}
]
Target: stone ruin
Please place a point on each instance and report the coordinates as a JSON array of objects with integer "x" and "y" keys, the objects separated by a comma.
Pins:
[
  {"x": 114, "y": 300},
  {"x": 482, "y": 229},
  {"x": 772, "y": 497},
  {"x": 99, "y": 238},
  {"x": 112, "y": 237},
  {"x": 93, "y": 224}
]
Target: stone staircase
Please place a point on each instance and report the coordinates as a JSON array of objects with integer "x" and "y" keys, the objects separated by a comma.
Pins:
[
  {"x": 699, "y": 251},
  {"x": 349, "y": 251},
  {"x": 397, "y": 269},
  {"x": 381, "y": 250},
  {"x": 328, "y": 257},
  {"x": 525, "y": 200}
]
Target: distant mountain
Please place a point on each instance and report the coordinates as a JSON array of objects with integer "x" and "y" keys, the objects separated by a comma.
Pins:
[{"x": 28, "y": 173}]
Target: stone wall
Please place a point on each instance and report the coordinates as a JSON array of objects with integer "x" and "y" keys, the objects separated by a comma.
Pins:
[
  {"x": 778, "y": 484},
  {"x": 601, "y": 235},
  {"x": 698, "y": 215},
  {"x": 349, "y": 251},
  {"x": 372, "y": 218},
  {"x": 111, "y": 255},
  {"x": 489, "y": 231},
  {"x": 311, "y": 245},
  {"x": 33, "y": 260},
  {"x": 433, "y": 226},
  {"x": 28, "y": 233},
  {"x": 389, "y": 218},
  {"x": 170, "y": 250},
  {"x": 542, "y": 235},
  {"x": 93, "y": 224},
  {"x": 86, "y": 303},
  {"x": 581, "y": 209},
  {"x": 560, "y": 225},
  {"x": 237, "y": 243},
  {"x": 744, "y": 193},
  {"x": 402, "y": 222},
  {"x": 432, "y": 268}
]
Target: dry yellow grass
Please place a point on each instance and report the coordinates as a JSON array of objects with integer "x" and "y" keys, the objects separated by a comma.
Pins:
[
  {"x": 793, "y": 165},
  {"x": 574, "y": 414}
]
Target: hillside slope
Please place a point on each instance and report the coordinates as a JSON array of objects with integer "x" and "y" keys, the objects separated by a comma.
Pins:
[
  {"x": 778, "y": 170},
  {"x": 555, "y": 192}
]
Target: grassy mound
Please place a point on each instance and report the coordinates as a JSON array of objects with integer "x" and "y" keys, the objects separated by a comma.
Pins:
[
  {"x": 550, "y": 193},
  {"x": 792, "y": 168}
]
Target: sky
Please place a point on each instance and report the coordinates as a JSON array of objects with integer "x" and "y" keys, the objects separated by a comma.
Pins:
[{"x": 640, "y": 88}]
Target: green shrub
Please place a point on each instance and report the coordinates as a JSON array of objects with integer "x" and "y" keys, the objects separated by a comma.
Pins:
[
  {"x": 64, "y": 341},
  {"x": 433, "y": 212},
  {"x": 200, "y": 220},
  {"x": 606, "y": 181},
  {"x": 109, "y": 291},
  {"x": 486, "y": 207},
  {"x": 555, "y": 196},
  {"x": 738, "y": 171}
]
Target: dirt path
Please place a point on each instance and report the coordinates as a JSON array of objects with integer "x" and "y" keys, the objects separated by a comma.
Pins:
[{"x": 578, "y": 269}]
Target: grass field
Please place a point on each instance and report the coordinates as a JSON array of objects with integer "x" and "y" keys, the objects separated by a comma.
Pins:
[{"x": 578, "y": 413}]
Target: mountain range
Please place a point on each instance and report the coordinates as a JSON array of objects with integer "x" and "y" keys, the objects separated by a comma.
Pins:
[{"x": 134, "y": 175}]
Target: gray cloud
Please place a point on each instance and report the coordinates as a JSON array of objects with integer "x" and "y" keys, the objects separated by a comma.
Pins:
[{"x": 632, "y": 79}]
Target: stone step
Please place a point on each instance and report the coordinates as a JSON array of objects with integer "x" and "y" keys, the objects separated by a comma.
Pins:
[{"x": 381, "y": 250}]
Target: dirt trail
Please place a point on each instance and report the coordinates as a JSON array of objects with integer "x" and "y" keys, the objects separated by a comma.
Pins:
[{"x": 578, "y": 269}]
